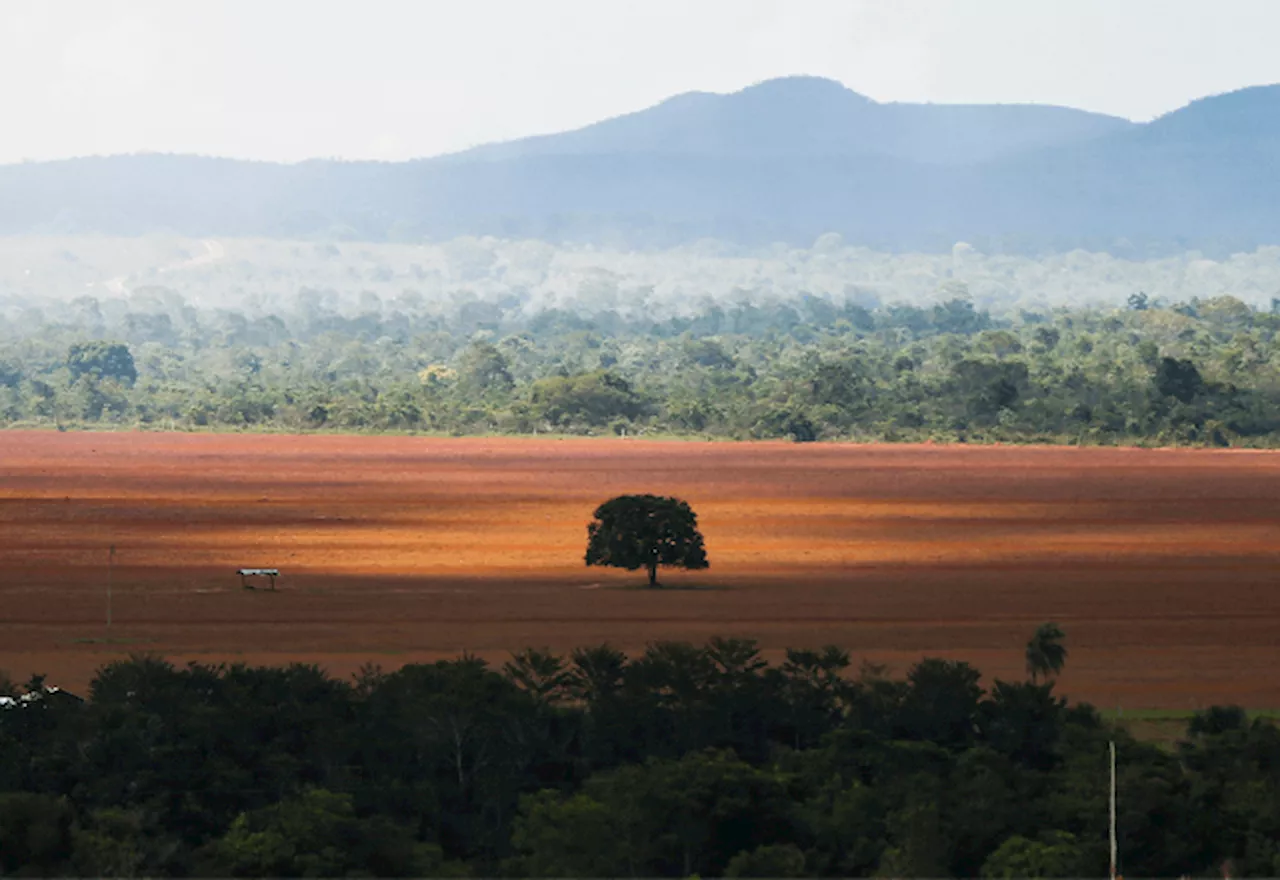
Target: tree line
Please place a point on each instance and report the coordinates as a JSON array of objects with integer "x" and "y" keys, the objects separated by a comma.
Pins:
[
  {"x": 1203, "y": 372},
  {"x": 682, "y": 761}
]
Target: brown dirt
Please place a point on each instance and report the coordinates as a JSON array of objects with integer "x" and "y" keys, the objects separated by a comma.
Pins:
[{"x": 1161, "y": 565}]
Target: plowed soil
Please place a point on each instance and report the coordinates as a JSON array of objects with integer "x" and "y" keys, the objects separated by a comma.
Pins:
[{"x": 1163, "y": 566}]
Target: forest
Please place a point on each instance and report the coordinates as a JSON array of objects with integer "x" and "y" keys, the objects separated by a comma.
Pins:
[
  {"x": 806, "y": 367},
  {"x": 684, "y": 761}
]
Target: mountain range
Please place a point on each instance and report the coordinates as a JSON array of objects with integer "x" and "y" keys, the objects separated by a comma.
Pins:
[{"x": 785, "y": 160}]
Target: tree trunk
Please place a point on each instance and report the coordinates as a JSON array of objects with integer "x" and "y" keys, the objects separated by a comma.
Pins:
[{"x": 653, "y": 574}]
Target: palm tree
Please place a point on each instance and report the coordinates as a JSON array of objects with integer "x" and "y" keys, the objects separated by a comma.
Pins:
[
  {"x": 1046, "y": 654},
  {"x": 540, "y": 673}
]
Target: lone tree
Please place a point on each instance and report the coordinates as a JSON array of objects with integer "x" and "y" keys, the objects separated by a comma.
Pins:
[
  {"x": 645, "y": 531},
  {"x": 1045, "y": 652}
]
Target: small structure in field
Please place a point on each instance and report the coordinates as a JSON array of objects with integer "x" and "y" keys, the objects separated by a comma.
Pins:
[{"x": 246, "y": 573}]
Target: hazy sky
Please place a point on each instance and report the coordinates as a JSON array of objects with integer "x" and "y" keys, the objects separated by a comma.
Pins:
[{"x": 292, "y": 79}]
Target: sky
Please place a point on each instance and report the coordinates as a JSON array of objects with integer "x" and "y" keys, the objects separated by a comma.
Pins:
[{"x": 287, "y": 80}]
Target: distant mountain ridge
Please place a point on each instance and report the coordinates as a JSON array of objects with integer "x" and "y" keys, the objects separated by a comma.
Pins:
[
  {"x": 813, "y": 117},
  {"x": 785, "y": 160}
]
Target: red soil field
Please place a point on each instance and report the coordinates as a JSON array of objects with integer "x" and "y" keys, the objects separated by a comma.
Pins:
[{"x": 1161, "y": 565}]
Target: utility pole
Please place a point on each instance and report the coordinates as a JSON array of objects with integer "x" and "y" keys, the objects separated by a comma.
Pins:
[
  {"x": 111, "y": 560},
  {"x": 1113, "y": 809}
]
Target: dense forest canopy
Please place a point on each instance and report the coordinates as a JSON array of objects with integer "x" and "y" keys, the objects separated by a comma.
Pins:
[
  {"x": 482, "y": 336},
  {"x": 683, "y": 761}
]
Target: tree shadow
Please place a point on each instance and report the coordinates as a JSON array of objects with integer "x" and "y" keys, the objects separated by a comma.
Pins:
[{"x": 670, "y": 588}]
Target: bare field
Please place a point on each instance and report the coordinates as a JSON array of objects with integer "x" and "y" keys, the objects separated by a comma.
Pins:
[{"x": 1161, "y": 565}]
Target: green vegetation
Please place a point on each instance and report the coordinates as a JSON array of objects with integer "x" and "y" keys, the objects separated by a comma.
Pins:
[
  {"x": 1046, "y": 655},
  {"x": 683, "y": 761},
  {"x": 645, "y": 531},
  {"x": 1166, "y": 727},
  {"x": 1206, "y": 372}
]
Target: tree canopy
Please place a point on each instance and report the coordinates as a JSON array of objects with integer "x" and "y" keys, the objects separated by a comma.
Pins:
[
  {"x": 1203, "y": 372},
  {"x": 1046, "y": 654},
  {"x": 677, "y": 760},
  {"x": 102, "y": 360},
  {"x": 645, "y": 531}
]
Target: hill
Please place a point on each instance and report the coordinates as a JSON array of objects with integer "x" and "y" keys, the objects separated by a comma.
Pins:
[
  {"x": 808, "y": 117},
  {"x": 784, "y": 160}
]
